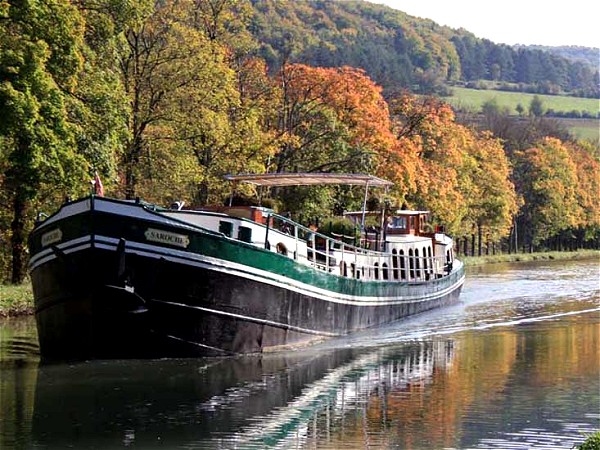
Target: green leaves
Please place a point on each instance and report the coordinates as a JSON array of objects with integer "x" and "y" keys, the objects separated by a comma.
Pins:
[{"x": 40, "y": 56}]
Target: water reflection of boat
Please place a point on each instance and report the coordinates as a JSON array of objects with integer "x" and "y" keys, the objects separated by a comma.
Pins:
[
  {"x": 249, "y": 402},
  {"x": 107, "y": 404},
  {"x": 118, "y": 279},
  {"x": 325, "y": 404}
]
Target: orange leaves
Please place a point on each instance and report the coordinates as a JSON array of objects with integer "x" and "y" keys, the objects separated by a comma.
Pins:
[
  {"x": 330, "y": 119},
  {"x": 432, "y": 146},
  {"x": 462, "y": 176},
  {"x": 587, "y": 168},
  {"x": 353, "y": 96},
  {"x": 337, "y": 119}
]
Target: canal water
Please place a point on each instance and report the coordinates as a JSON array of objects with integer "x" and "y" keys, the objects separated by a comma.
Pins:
[{"x": 514, "y": 365}]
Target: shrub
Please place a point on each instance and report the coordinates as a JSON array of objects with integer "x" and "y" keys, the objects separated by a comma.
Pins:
[{"x": 592, "y": 442}]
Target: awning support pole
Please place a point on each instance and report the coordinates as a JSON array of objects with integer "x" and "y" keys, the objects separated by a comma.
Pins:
[{"x": 364, "y": 208}]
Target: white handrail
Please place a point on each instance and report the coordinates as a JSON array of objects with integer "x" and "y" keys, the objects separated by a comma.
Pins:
[{"x": 415, "y": 268}]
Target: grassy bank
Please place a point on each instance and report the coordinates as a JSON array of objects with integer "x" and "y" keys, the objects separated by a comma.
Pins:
[
  {"x": 524, "y": 257},
  {"x": 15, "y": 300}
]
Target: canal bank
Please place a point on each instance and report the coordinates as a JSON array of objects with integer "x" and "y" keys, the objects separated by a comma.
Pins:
[
  {"x": 530, "y": 257},
  {"x": 18, "y": 300}
]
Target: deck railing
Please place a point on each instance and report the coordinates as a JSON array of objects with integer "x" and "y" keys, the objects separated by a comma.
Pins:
[{"x": 326, "y": 253}]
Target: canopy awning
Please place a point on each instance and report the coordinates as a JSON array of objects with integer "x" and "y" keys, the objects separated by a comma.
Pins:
[
  {"x": 398, "y": 212},
  {"x": 308, "y": 179}
]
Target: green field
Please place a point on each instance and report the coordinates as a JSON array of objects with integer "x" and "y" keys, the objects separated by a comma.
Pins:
[
  {"x": 472, "y": 99},
  {"x": 586, "y": 129}
]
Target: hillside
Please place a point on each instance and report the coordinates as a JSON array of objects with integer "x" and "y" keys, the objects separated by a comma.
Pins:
[
  {"x": 399, "y": 51},
  {"x": 587, "y": 55}
]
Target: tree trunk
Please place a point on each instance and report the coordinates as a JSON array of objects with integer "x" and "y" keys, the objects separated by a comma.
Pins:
[
  {"x": 202, "y": 193},
  {"x": 132, "y": 158},
  {"x": 130, "y": 182},
  {"x": 479, "y": 233},
  {"x": 473, "y": 244},
  {"x": 17, "y": 239}
]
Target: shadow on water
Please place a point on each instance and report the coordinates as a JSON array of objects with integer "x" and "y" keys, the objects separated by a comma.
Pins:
[{"x": 511, "y": 366}]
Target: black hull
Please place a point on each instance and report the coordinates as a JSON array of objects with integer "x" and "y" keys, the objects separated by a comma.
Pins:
[{"x": 92, "y": 304}]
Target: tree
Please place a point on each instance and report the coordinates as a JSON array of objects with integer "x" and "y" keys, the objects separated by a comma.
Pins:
[
  {"x": 462, "y": 176},
  {"x": 160, "y": 55},
  {"x": 587, "y": 163},
  {"x": 99, "y": 107},
  {"x": 520, "y": 109},
  {"x": 430, "y": 155},
  {"x": 221, "y": 128},
  {"x": 329, "y": 119},
  {"x": 40, "y": 57},
  {"x": 492, "y": 200},
  {"x": 536, "y": 107},
  {"x": 546, "y": 178}
]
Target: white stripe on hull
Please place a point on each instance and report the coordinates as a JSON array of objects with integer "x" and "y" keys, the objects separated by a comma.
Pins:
[
  {"x": 67, "y": 211},
  {"x": 130, "y": 210}
]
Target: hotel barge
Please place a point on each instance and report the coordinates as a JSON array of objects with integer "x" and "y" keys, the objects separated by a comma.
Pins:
[{"x": 127, "y": 279}]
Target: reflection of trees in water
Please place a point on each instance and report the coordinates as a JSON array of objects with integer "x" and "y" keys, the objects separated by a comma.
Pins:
[{"x": 18, "y": 372}]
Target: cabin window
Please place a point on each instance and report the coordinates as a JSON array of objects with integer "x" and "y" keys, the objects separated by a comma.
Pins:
[
  {"x": 398, "y": 223},
  {"x": 411, "y": 263},
  {"x": 353, "y": 270},
  {"x": 384, "y": 271},
  {"x": 430, "y": 259},
  {"x": 343, "y": 269},
  {"x": 395, "y": 264},
  {"x": 245, "y": 234},
  {"x": 402, "y": 265},
  {"x": 425, "y": 264},
  {"x": 376, "y": 271},
  {"x": 226, "y": 228},
  {"x": 417, "y": 263}
]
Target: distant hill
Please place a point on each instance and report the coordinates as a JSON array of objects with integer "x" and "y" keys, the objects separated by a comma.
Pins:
[
  {"x": 403, "y": 52},
  {"x": 588, "y": 55}
]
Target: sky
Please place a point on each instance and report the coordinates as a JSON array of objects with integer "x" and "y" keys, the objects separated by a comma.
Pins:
[{"x": 528, "y": 22}]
